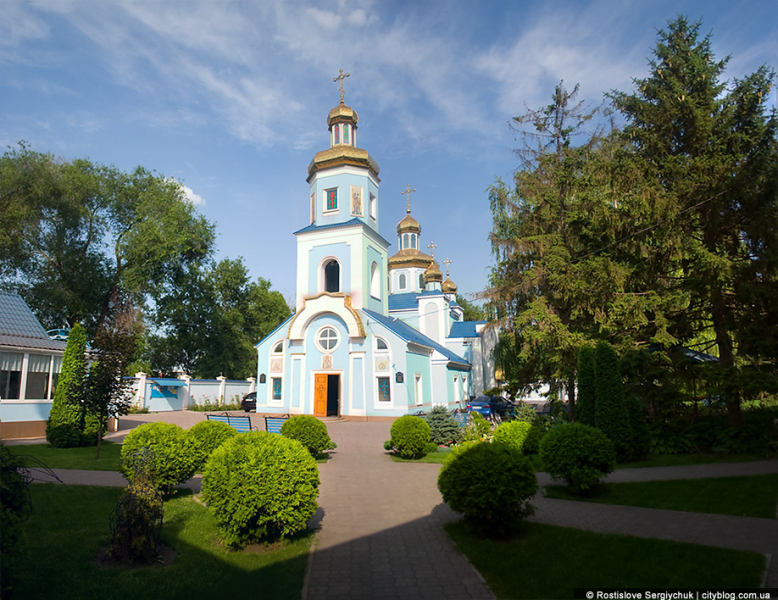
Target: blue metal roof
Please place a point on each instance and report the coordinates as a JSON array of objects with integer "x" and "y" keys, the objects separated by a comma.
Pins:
[
  {"x": 312, "y": 227},
  {"x": 20, "y": 327},
  {"x": 409, "y": 334},
  {"x": 404, "y": 301},
  {"x": 464, "y": 329}
]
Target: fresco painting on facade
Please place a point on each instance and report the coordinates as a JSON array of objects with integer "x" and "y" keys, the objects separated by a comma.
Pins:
[{"x": 373, "y": 335}]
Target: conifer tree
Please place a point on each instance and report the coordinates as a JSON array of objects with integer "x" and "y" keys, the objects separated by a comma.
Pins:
[
  {"x": 611, "y": 414},
  {"x": 66, "y": 419},
  {"x": 710, "y": 147},
  {"x": 587, "y": 387}
]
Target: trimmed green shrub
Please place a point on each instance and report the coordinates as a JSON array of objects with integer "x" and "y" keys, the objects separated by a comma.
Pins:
[
  {"x": 477, "y": 429},
  {"x": 260, "y": 487},
  {"x": 578, "y": 454},
  {"x": 409, "y": 435},
  {"x": 136, "y": 522},
  {"x": 611, "y": 414},
  {"x": 309, "y": 431},
  {"x": 444, "y": 430},
  {"x": 66, "y": 418},
  {"x": 491, "y": 485},
  {"x": 669, "y": 438},
  {"x": 519, "y": 435},
  {"x": 457, "y": 450},
  {"x": 209, "y": 435},
  {"x": 175, "y": 454},
  {"x": 585, "y": 405}
]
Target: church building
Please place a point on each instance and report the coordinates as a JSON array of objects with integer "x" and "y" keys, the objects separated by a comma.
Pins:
[{"x": 372, "y": 335}]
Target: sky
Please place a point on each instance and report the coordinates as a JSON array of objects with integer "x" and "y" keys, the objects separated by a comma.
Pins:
[{"x": 231, "y": 98}]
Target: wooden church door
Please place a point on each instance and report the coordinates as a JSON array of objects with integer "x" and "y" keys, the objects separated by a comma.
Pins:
[{"x": 320, "y": 395}]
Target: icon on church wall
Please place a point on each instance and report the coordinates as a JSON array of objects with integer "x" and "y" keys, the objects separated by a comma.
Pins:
[
  {"x": 276, "y": 365},
  {"x": 382, "y": 363},
  {"x": 356, "y": 200},
  {"x": 326, "y": 361}
]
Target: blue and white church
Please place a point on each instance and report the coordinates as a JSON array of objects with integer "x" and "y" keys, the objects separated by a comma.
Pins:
[{"x": 373, "y": 336}]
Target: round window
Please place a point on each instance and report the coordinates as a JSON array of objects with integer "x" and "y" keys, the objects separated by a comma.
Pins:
[{"x": 327, "y": 339}]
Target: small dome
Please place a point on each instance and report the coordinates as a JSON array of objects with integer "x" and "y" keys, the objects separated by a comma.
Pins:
[
  {"x": 408, "y": 225},
  {"x": 342, "y": 113},
  {"x": 449, "y": 286},
  {"x": 433, "y": 274}
]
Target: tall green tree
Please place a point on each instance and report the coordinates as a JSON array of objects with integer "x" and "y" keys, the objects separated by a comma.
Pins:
[
  {"x": 79, "y": 238},
  {"x": 611, "y": 415},
  {"x": 710, "y": 147},
  {"x": 66, "y": 418},
  {"x": 587, "y": 387},
  {"x": 213, "y": 318}
]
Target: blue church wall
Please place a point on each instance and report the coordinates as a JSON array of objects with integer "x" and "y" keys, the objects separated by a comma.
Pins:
[
  {"x": 441, "y": 390},
  {"x": 417, "y": 364},
  {"x": 358, "y": 398},
  {"x": 376, "y": 304},
  {"x": 342, "y": 252},
  {"x": 343, "y": 182},
  {"x": 340, "y": 359}
]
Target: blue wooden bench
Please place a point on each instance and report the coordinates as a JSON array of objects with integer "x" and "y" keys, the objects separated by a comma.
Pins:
[
  {"x": 242, "y": 423},
  {"x": 273, "y": 424},
  {"x": 460, "y": 418}
]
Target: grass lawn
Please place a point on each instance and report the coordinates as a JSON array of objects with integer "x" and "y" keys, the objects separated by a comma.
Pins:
[
  {"x": 674, "y": 460},
  {"x": 754, "y": 496},
  {"x": 74, "y": 458},
  {"x": 70, "y": 524},
  {"x": 544, "y": 561}
]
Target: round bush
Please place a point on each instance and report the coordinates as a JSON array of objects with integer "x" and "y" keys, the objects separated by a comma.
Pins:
[
  {"x": 578, "y": 454},
  {"x": 409, "y": 435},
  {"x": 209, "y": 435},
  {"x": 520, "y": 435},
  {"x": 260, "y": 487},
  {"x": 309, "y": 431},
  {"x": 490, "y": 484},
  {"x": 174, "y": 454}
]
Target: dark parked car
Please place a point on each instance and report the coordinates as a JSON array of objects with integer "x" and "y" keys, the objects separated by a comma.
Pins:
[
  {"x": 249, "y": 402},
  {"x": 490, "y": 406}
]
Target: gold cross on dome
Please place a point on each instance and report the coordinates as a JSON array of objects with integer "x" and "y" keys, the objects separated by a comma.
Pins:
[
  {"x": 408, "y": 191},
  {"x": 340, "y": 78},
  {"x": 447, "y": 262},
  {"x": 432, "y": 246}
]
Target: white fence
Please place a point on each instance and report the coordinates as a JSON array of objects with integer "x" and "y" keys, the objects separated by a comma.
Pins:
[{"x": 160, "y": 394}]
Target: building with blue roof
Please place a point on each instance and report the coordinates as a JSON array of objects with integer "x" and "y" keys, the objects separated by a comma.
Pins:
[{"x": 372, "y": 336}]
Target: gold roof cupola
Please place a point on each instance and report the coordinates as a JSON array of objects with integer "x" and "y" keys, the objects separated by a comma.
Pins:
[
  {"x": 449, "y": 287},
  {"x": 432, "y": 274},
  {"x": 408, "y": 223},
  {"x": 342, "y": 123}
]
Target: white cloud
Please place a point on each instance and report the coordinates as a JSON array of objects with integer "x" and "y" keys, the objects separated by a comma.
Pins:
[{"x": 189, "y": 194}]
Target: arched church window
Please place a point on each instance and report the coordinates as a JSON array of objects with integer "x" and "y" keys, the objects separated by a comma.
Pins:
[
  {"x": 345, "y": 134},
  {"x": 375, "y": 281},
  {"x": 327, "y": 339},
  {"x": 337, "y": 134},
  {"x": 332, "y": 276},
  {"x": 413, "y": 241},
  {"x": 380, "y": 344},
  {"x": 421, "y": 281},
  {"x": 402, "y": 282},
  {"x": 406, "y": 243},
  {"x": 279, "y": 348}
]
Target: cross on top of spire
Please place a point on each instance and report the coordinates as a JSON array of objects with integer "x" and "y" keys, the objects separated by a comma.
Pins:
[
  {"x": 447, "y": 262},
  {"x": 432, "y": 246},
  {"x": 408, "y": 191},
  {"x": 340, "y": 78}
]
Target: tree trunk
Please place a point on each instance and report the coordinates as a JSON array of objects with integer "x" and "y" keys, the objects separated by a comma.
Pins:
[
  {"x": 727, "y": 359},
  {"x": 571, "y": 397}
]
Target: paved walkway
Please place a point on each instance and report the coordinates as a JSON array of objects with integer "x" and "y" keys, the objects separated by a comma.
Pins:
[{"x": 380, "y": 521}]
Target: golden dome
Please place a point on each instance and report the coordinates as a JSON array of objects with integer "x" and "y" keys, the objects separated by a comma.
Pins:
[
  {"x": 342, "y": 154},
  {"x": 342, "y": 113},
  {"x": 449, "y": 286},
  {"x": 409, "y": 257},
  {"x": 433, "y": 274},
  {"x": 408, "y": 224}
]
